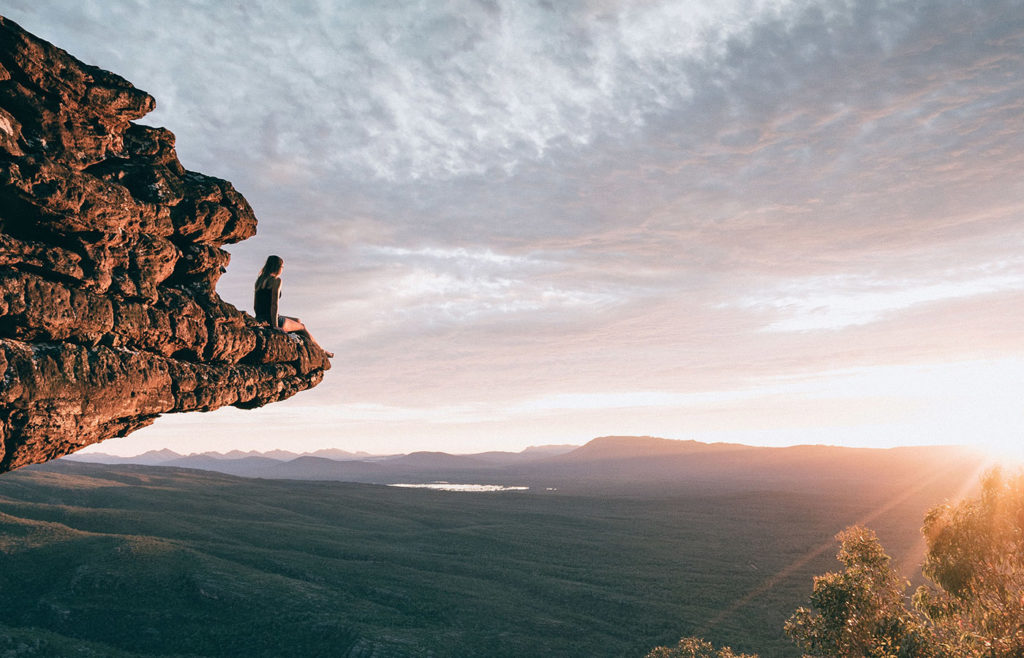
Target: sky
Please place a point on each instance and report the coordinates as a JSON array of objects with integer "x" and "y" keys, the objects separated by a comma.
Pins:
[{"x": 527, "y": 222}]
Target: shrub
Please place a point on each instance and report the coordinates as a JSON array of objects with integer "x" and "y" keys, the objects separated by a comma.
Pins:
[
  {"x": 860, "y": 612},
  {"x": 692, "y": 647}
]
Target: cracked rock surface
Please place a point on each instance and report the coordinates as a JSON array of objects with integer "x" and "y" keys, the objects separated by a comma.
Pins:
[{"x": 110, "y": 252}]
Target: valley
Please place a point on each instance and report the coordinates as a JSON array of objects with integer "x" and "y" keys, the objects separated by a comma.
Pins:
[{"x": 600, "y": 557}]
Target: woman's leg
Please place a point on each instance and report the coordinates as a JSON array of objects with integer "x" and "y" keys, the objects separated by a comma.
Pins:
[
  {"x": 295, "y": 326},
  {"x": 292, "y": 325}
]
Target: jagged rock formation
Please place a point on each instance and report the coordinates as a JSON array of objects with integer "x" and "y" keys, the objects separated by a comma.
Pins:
[{"x": 110, "y": 252}]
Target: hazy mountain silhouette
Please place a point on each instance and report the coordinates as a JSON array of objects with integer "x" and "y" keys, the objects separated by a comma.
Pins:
[
  {"x": 633, "y": 447},
  {"x": 253, "y": 462},
  {"x": 639, "y": 464},
  {"x": 553, "y": 449},
  {"x": 327, "y": 453},
  {"x": 435, "y": 460},
  {"x": 647, "y": 463},
  {"x": 244, "y": 466},
  {"x": 151, "y": 458},
  {"x": 319, "y": 468}
]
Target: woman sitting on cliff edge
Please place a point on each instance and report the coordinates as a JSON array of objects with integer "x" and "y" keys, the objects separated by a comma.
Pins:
[{"x": 268, "y": 291}]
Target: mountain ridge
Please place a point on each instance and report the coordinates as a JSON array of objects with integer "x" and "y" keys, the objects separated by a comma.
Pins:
[{"x": 621, "y": 462}]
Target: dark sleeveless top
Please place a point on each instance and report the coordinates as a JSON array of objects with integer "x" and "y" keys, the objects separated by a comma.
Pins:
[{"x": 264, "y": 302}]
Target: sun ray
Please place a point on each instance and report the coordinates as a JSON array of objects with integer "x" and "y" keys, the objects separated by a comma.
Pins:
[{"x": 787, "y": 571}]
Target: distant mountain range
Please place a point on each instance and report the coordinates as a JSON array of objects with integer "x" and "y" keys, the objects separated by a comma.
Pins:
[
  {"x": 161, "y": 457},
  {"x": 612, "y": 462},
  {"x": 327, "y": 464}
]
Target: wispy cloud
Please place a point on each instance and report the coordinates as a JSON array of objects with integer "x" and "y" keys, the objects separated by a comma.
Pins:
[
  {"x": 843, "y": 301},
  {"x": 484, "y": 200}
]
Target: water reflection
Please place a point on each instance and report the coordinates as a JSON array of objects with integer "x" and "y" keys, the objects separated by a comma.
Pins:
[{"x": 448, "y": 486}]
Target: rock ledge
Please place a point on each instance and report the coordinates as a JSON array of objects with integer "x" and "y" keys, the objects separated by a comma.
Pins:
[{"x": 110, "y": 252}]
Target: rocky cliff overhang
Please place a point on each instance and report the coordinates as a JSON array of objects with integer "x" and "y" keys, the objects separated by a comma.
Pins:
[{"x": 110, "y": 253}]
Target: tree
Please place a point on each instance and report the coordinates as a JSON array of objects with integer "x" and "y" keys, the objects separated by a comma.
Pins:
[
  {"x": 860, "y": 612},
  {"x": 976, "y": 561}
]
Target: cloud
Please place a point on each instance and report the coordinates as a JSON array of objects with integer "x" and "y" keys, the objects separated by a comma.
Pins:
[
  {"x": 405, "y": 91},
  {"x": 457, "y": 285},
  {"x": 838, "y": 302},
  {"x": 522, "y": 200}
]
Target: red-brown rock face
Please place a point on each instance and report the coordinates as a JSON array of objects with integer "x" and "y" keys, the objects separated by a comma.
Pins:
[{"x": 110, "y": 252}]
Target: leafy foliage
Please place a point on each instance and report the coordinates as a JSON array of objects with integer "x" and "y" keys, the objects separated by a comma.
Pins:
[
  {"x": 976, "y": 562},
  {"x": 692, "y": 647},
  {"x": 860, "y": 611}
]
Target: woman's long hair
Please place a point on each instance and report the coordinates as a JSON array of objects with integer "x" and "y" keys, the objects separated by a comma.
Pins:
[{"x": 270, "y": 269}]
